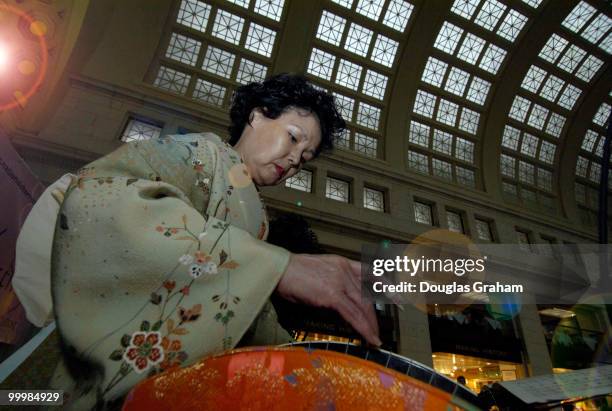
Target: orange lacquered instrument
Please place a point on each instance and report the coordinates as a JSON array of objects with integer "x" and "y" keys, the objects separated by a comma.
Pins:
[{"x": 301, "y": 378}]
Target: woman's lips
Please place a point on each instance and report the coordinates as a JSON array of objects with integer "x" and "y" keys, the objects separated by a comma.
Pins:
[{"x": 280, "y": 171}]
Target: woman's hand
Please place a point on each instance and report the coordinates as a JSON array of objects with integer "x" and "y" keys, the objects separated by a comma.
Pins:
[{"x": 330, "y": 281}]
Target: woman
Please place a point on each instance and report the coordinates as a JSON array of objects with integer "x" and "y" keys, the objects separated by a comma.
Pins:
[{"x": 158, "y": 256}]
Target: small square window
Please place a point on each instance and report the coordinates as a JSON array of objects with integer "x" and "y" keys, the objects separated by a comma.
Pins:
[
  {"x": 455, "y": 222},
  {"x": 423, "y": 213},
  {"x": 137, "y": 130},
  {"x": 373, "y": 199},
  {"x": 483, "y": 230},
  {"x": 302, "y": 181},
  {"x": 523, "y": 241},
  {"x": 337, "y": 189}
]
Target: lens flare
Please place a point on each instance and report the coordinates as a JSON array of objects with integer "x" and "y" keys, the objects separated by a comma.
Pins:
[{"x": 4, "y": 57}]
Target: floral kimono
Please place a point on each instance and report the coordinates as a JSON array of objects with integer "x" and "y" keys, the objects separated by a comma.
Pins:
[{"x": 158, "y": 259}]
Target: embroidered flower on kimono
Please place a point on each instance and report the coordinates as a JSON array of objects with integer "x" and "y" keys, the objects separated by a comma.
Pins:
[
  {"x": 195, "y": 270},
  {"x": 169, "y": 285},
  {"x": 197, "y": 165},
  {"x": 185, "y": 290},
  {"x": 174, "y": 355},
  {"x": 210, "y": 268},
  {"x": 144, "y": 351},
  {"x": 201, "y": 257},
  {"x": 186, "y": 259}
]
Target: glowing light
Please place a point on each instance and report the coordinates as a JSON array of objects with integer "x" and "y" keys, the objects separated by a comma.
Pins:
[
  {"x": 4, "y": 56},
  {"x": 299, "y": 203}
]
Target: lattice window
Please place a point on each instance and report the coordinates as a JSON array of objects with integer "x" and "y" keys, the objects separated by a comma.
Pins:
[
  {"x": 448, "y": 38},
  {"x": 272, "y": 9},
  {"x": 423, "y": 213},
  {"x": 419, "y": 134},
  {"x": 538, "y": 116},
  {"x": 589, "y": 68},
  {"x": 302, "y": 180},
  {"x": 579, "y": 16},
  {"x": 519, "y": 108},
  {"x": 465, "y": 8},
  {"x": 595, "y": 172},
  {"x": 370, "y": 8},
  {"x": 457, "y": 81},
  {"x": 469, "y": 120},
  {"x": 219, "y": 62},
  {"x": 571, "y": 58},
  {"x": 489, "y": 14},
  {"x": 321, "y": 64},
  {"x": 442, "y": 142},
  {"x": 338, "y": 190},
  {"x": 464, "y": 150},
  {"x": 602, "y": 115},
  {"x": 478, "y": 91},
  {"x": 523, "y": 241},
  {"x": 373, "y": 199},
  {"x": 551, "y": 88},
  {"x": 397, "y": 15},
  {"x": 526, "y": 172},
  {"x": 260, "y": 40},
  {"x": 509, "y": 189},
  {"x": 492, "y": 59},
  {"x": 172, "y": 80},
  {"x": 533, "y": 79},
  {"x": 424, "y": 103},
  {"x": 555, "y": 124},
  {"x": 544, "y": 180},
  {"x": 250, "y": 71},
  {"x": 553, "y": 48},
  {"x": 597, "y": 28},
  {"x": 368, "y": 116},
  {"x": 343, "y": 140},
  {"x": 375, "y": 84},
  {"x": 434, "y": 71},
  {"x": 529, "y": 145},
  {"x": 137, "y": 130},
  {"x": 384, "y": 51},
  {"x": 454, "y": 222},
  {"x": 512, "y": 25},
  {"x": 345, "y": 105},
  {"x": 209, "y": 92},
  {"x": 547, "y": 152},
  {"x": 483, "y": 230},
  {"x": 348, "y": 74},
  {"x": 507, "y": 165},
  {"x": 510, "y": 138},
  {"x": 228, "y": 27},
  {"x": 241, "y": 3},
  {"x": 194, "y": 14},
  {"x": 365, "y": 145},
  {"x": 418, "y": 162},
  {"x": 569, "y": 97},
  {"x": 442, "y": 169},
  {"x": 447, "y": 112},
  {"x": 465, "y": 176},
  {"x": 589, "y": 141},
  {"x": 358, "y": 40},
  {"x": 471, "y": 48},
  {"x": 532, "y": 3},
  {"x": 183, "y": 49},
  {"x": 330, "y": 28}
]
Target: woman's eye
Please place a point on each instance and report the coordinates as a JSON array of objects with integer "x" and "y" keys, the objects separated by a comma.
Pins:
[{"x": 293, "y": 139}]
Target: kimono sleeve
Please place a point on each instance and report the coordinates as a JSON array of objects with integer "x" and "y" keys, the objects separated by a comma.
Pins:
[{"x": 143, "y": 280}]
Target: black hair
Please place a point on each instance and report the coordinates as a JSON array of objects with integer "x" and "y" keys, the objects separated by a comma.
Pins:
[{"x": 279, "y": 93}]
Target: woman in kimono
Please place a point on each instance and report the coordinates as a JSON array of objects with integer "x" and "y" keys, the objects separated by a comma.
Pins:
[{"x": 159, "y": 255}]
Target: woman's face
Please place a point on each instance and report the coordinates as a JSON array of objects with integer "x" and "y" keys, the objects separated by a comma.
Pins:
[{"x": 275, "y": 149}]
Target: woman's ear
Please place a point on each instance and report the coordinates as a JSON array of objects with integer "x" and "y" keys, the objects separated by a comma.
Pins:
[{"x": 256, "y": 116}]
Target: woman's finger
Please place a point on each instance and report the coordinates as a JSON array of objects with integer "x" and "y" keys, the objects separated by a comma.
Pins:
[
  {"x": 355, "y": 317},
  {"x": 354, "y": 293}
]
